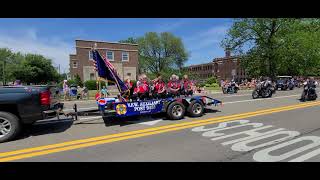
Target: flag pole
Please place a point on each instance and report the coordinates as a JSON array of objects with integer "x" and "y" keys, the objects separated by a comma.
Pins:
[{"x": 98, "y": 84}]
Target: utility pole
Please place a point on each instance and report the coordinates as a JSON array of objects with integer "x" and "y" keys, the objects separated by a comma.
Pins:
[
  {"x": 59, "y": 68},
  {"x": 3, "y": 71},
  {"x": 3, "y": 74}
]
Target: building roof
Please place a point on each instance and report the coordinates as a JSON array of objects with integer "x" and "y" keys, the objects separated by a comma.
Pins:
[
  {"x": 224, "y": 58},
  {"x": 107, "y": 42},
  {"x": 194, "y": 65}
]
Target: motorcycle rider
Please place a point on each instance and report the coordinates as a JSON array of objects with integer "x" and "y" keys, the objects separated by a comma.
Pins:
[{"x": 310, "y": 83}]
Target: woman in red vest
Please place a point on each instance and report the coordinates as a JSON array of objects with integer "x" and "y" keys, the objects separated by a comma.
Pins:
[
  {"x": 187, "y": 86},
  {"x": 174, "y": 86},
  {"x": 159, "y": 90},
  {"x": 142, "y": 88}
]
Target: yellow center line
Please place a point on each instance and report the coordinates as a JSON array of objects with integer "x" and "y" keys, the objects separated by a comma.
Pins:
[{"x": 70, "y": 145}]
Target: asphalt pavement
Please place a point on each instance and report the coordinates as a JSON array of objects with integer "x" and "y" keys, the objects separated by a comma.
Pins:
[{"x": 280, "y": 128}]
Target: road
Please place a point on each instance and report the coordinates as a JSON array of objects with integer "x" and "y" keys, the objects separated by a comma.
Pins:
[{"x": 266, "y": 130}]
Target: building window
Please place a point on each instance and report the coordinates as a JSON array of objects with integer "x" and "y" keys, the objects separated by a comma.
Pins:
[
  {"x": 125, "y": 56},
  {"x": 90, "y": 55},
  {"x": 74, "y": 64},
  {"x": 128, "y": 74},
  {"x": 110, "y": 55},
  {"x": 92, "y": 76}
]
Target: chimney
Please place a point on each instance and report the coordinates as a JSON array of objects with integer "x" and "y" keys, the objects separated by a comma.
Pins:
[{"x": 228, "y": 52}]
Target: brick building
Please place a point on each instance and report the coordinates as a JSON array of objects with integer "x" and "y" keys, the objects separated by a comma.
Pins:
[
  {"x": 204, "y": 71},
  {"x": 227, "y": 67},
  {"x": 123, "y": 56}
]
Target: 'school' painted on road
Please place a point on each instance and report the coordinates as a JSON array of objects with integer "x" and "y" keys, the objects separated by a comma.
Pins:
[
  {"x": 82, "y": 143},
  {"x": 281, "y": 137}
]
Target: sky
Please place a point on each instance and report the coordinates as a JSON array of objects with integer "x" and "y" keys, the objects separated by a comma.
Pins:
[{"x": 55, "y": 37}]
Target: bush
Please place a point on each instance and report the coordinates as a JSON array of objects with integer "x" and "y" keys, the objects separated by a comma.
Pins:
[
  {"x": 91, "y": 84},
  {"x": 212, "y": 85},
  {"x": 201, "y": 84},
  {"x": 211, "y": 80}
]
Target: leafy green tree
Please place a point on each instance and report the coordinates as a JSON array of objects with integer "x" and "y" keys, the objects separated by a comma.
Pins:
[
  {"x": 5, "y": 59},
  {"x": 78, "y": 81},
  {"x": 275, "y": 46},
  {"x": 130, "y": 40},
  {"x": 161, "y": 51},
  {"x": 35, "y": 69}
]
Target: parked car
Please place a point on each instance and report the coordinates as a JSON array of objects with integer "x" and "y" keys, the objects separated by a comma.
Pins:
[
  {"x": 284, "y": 83},
  {"x": 23, "y": 105}
]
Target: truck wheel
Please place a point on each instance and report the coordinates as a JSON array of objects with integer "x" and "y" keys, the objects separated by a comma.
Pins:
[
  {"x": 175, "y": 111},
  {"x": 9, "y": 126},
  {"x": 195, "y": 109}
]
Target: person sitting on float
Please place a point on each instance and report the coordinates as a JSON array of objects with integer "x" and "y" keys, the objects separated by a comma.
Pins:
[
  {"x": 159, "y": 88},
  {"x": 142, "y": 88},
  {"x": 174, "y": 86},
  {"x": 187, "y": 86},
  {"x": 129, "y": 84}
]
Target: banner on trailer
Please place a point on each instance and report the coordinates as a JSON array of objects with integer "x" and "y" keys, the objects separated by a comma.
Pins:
[{"x": 139, "y": 107}]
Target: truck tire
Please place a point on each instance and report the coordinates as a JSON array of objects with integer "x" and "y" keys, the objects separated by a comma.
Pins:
[
  {"x": 195, "y": 109},
  {"x": 9, "y": 126},
  {"x": 176, "y": 110}
]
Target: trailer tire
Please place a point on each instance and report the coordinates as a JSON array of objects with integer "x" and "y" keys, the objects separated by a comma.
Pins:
[
  {"x": 10, "y": 126},
  {"x": 176, "y": 110},
  {"x": 195, "y": 109}
]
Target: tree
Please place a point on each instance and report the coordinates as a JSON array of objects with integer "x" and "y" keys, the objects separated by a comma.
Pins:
[
  {"x": 273, "y": 46},
  {"x": 130, "y": 40},
  {"x": 5, "y": 57},
  {"x": 78, "y": 81},
  {"x": 35, "y": 69},
  {"x": 161, "y": 51}
]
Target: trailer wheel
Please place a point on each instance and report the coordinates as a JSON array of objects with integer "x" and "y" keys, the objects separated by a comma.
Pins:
[
  {"x": 9, "y": 126},
  {"x": 175, "y": 110},
  {"x": 195, "y": 109}
]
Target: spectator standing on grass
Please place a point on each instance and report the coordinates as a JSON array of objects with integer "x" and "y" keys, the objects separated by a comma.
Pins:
[
  {"x": 79, "y": 92},
  {"x": 65, "y": 90},
  {"x": 85, "y": 92}
]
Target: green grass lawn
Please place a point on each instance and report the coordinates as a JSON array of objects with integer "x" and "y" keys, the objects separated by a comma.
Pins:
[{"x": 212, "y": 88}]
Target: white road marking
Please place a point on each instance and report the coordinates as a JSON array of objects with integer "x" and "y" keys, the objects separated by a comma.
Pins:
[
  {"x": 80, "y": 109},
  {"x": 238, "y": 95},
  {"x": 264, "y": 155},
  {"x": 91, "y": 118},
  {"x": 151, "y": 123},
  {"x": 242, "y": 144},
  {"x": 261, "y": 99}
]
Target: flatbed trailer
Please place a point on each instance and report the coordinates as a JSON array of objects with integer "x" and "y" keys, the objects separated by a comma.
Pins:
[{"x": 174, "y": 108}]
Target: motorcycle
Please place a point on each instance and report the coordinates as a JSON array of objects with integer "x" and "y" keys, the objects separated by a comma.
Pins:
[
  {"x": 264, "y": 90},
  {"x": 291, "y": 85},
  {"x": 309, "y": 94},
  {"x": 230, "y": 89}
]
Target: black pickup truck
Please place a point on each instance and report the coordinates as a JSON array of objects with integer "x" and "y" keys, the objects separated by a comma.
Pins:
[{"x": 24, "y": 105}]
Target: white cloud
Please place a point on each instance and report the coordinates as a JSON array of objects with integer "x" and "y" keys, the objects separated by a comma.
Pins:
[
  {"x": 170, "y": 26},
  {"x": 210, "y": 37},
  {"x": 28, "y": 41}
]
